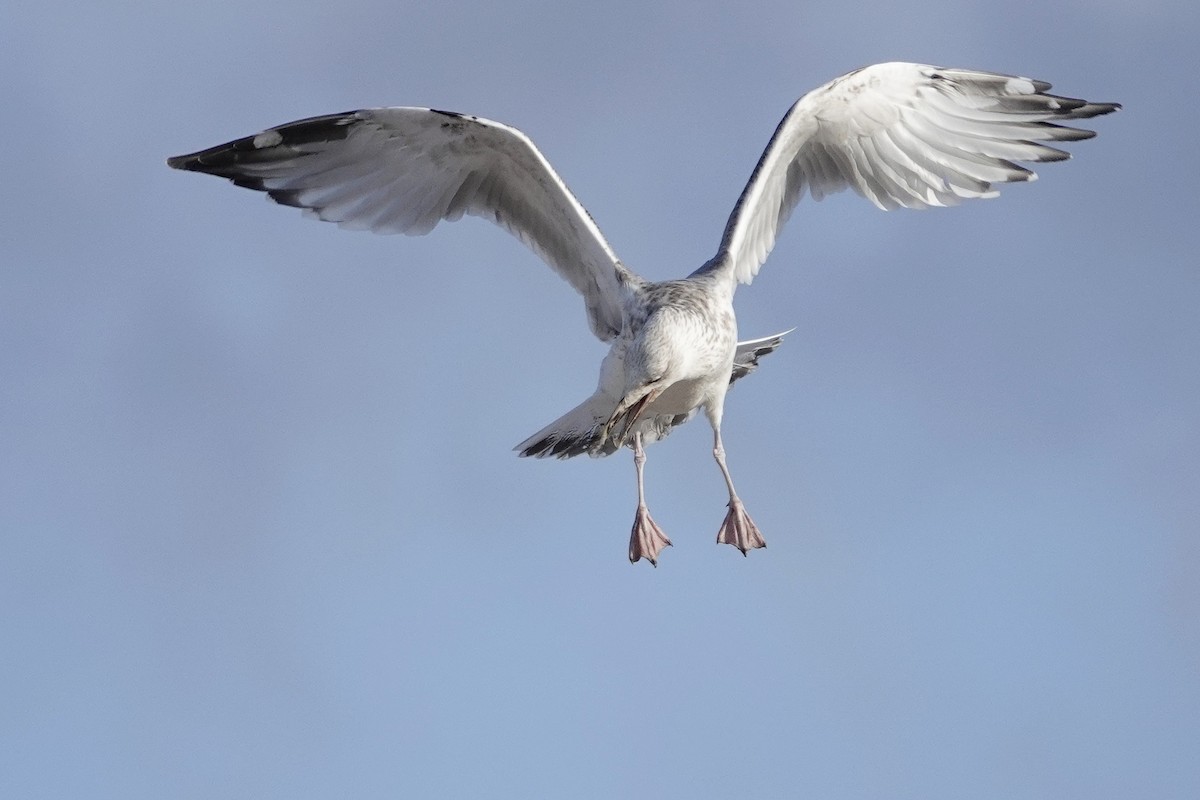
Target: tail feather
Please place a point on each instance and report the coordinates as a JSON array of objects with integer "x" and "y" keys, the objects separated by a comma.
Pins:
[
  {"x": 574, "y": 433},
  {"x": 745, "y": 360}
]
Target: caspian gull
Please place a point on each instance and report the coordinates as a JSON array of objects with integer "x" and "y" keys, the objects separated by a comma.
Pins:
[{"x": 899, "y": 134}]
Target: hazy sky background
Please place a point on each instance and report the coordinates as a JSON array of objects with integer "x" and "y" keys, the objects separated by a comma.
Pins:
[{"x": 263, "y": 535}]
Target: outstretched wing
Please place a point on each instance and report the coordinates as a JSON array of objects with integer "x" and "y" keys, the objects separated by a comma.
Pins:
[
  {"x": 404, "y": 170},
  {"x": 901, "y": 135}
]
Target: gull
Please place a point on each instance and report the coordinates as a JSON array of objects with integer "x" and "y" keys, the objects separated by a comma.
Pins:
[{"x": 901, "y": 135}]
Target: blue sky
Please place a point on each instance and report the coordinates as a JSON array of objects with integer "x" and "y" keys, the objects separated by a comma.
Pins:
[{"x": 264, "y": 535}]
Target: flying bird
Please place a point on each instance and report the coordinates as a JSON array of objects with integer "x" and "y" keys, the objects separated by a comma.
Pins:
[{"x": 901, "y": 135}]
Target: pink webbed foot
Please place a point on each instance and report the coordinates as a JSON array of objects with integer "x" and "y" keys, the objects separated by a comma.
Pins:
[
  {"x": 739, "y": 530},
  {"x": 647, "y": 538}
]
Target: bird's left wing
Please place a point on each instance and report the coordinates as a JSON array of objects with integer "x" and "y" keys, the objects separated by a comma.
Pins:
[
  {"x": 404, "y": 170},
  {"x": 901, "y": 135}
]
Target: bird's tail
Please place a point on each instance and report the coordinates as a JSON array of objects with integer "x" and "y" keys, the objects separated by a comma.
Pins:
[
  {"x": 745, "y": 360},
  {"x": 574, "y": 433}
]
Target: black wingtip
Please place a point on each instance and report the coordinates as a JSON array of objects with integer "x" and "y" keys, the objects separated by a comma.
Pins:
[
  {"x": 272, "y": 143},
  {"x": 212, "y": 160},
  {"x": 182, "y": 162},
  {"x": 1089, "y": 110}
]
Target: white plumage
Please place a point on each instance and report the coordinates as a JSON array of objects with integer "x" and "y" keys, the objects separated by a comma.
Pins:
[{"x": 899, "y": 134}]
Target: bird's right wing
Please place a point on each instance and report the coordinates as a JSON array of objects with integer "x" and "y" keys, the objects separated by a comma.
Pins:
[
  {"x": 404, "y": 170},
  {"x": 901, "y": 135}
]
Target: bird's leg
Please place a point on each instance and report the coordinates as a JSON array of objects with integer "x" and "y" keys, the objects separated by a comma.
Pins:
[
  {"x": 647, "y": 539},
  {"x": 737, "y": 529}
]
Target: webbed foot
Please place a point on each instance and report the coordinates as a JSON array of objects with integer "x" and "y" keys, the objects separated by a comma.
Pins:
[
  {"x": 647, "y": 539},
  {"x": 739, "y": 530}
]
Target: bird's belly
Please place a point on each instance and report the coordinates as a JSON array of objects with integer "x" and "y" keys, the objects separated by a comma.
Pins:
[{"x": 683, "y": 396}]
